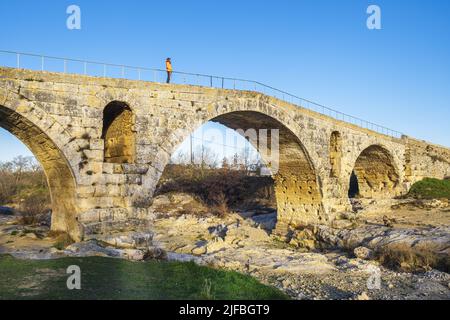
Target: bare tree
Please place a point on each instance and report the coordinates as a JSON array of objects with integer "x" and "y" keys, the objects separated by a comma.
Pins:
[{"x": 22, "y": 178}]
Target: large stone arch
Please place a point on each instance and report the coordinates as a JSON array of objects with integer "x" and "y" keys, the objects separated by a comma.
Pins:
[
  {"x": 297, "y": 184},
  {"x": 60, "y": 176},
  {"x": 297, "y": 190},
  {"x": 376, "y": 173}
]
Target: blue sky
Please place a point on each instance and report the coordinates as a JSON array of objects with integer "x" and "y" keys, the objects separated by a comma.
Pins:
[{"x": 318, "y": 49}]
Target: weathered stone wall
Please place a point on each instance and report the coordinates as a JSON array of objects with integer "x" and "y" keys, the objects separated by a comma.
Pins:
[
  {"x": 335, "y": 154},
  {"x": 68, "y": 110},
  {"x": 59, "y": 175},
  {"x": 423, "y": 160},
  {"x": 118, "y": 133}
]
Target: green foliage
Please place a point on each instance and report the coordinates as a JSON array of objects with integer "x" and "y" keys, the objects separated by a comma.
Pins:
[
  {"x": 430, "y": 188},
  {"x": 108, "y": 278}
]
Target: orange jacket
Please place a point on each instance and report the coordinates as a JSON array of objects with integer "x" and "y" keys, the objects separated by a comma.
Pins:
[{"x": 168, "y": 66}]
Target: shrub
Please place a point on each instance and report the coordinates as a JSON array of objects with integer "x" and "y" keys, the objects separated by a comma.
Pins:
[
  {"x": 405, "y": 258},
  {"x": 430, "y": 188},
  {"x": 220, "y": 207},
  {"x": 219, "y": 189},
  {"x": 34, "y": 208}
]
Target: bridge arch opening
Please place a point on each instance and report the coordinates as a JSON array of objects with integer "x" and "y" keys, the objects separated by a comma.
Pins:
[
  {"x": 59, "y": 175},
  {"x": 118, "y": 133},
  {"x": 295, "y": 184},
  {"x": 297, "y": 191},
  {"x": 335, "y": 154},
  {"x": 374, "y": 174}
]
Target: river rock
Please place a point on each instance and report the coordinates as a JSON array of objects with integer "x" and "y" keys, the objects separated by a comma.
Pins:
[
  {"x": 363, "y": 253},
  {"x": 131, "y": 254},
  {"x": 7, "y": 211},
  {"x": 130, "y": 240},
  {"x": 363, "y": 296},
  {"x": 31, "y": 235},
  {"x": 198, "y": 251}
]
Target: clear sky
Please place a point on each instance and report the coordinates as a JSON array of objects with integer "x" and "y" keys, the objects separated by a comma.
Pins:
[{"x": 398, "y": 76}]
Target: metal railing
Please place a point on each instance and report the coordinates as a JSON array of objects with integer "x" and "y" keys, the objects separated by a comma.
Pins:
[{"x": 92, "y": 68}]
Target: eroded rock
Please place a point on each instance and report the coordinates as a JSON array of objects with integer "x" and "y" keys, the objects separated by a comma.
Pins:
[{"x": 363, "y": 253}]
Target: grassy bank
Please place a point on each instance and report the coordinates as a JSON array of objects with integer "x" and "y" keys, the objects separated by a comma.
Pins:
[
  {"x": 430, "y": 188},
  {"x": 105, "y": 278}
]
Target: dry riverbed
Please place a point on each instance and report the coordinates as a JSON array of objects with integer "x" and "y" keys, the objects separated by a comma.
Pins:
[{"x": 303, "y": 268}]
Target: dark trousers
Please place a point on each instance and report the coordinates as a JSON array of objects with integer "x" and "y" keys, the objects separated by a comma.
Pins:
[{"x": 169, "y": 76}]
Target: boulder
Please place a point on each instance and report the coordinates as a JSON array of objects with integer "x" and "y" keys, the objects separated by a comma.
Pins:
[
  {"x": 217, "y": 245},
  {"x": 388, "y": 222},
  {"x": 155, "y": 253},
  {"x": 198, "y": 251},
  {"x": 266, "y": 221},
  {"x": 342, "y": 224},
  {"x": 31, "y": 235},
  {"x": 219, "y": 231},
  {"x": 305, "y": 234},
  {"x": 363, "y": 253},
  {"x": 363, "y": 296},
  {"x": 90, "y": 248},
  {"x": 7, "y": 211},
  {"x": 93, "y": 248},
  {"x": 348, "y": 216},
  {"x": 162, "y": 200},
  {"x": 130, "y": 240},
  {"x": 131, "y": 254},
  {"x": 307, "y": 244}
]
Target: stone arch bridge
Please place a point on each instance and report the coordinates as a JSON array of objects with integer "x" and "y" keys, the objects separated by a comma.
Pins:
[{"x": 104, "y": 143}]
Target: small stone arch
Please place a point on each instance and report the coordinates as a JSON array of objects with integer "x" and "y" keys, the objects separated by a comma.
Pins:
[
  {"x": 118, "y": 133},
  {"x": 335, "y": 154},
  {"x": 375, "y": 173}
]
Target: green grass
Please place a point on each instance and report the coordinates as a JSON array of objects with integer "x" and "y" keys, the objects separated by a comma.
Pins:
[
  {"x": 107, "y": 278},
  {"x": 430, "y": 188}
]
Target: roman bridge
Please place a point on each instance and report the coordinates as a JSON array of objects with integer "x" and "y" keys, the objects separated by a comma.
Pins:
[{"x": 104, "y": 143}]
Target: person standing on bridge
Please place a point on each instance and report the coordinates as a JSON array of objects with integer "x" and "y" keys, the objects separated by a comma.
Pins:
[{"x": 169, "y": 69}]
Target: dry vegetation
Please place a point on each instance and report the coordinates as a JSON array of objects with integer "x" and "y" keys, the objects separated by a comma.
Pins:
[
  {"x": 23, "y": 186},
  {"x": 220, "y": 189},
  {"x": 405, "y": 258}
]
